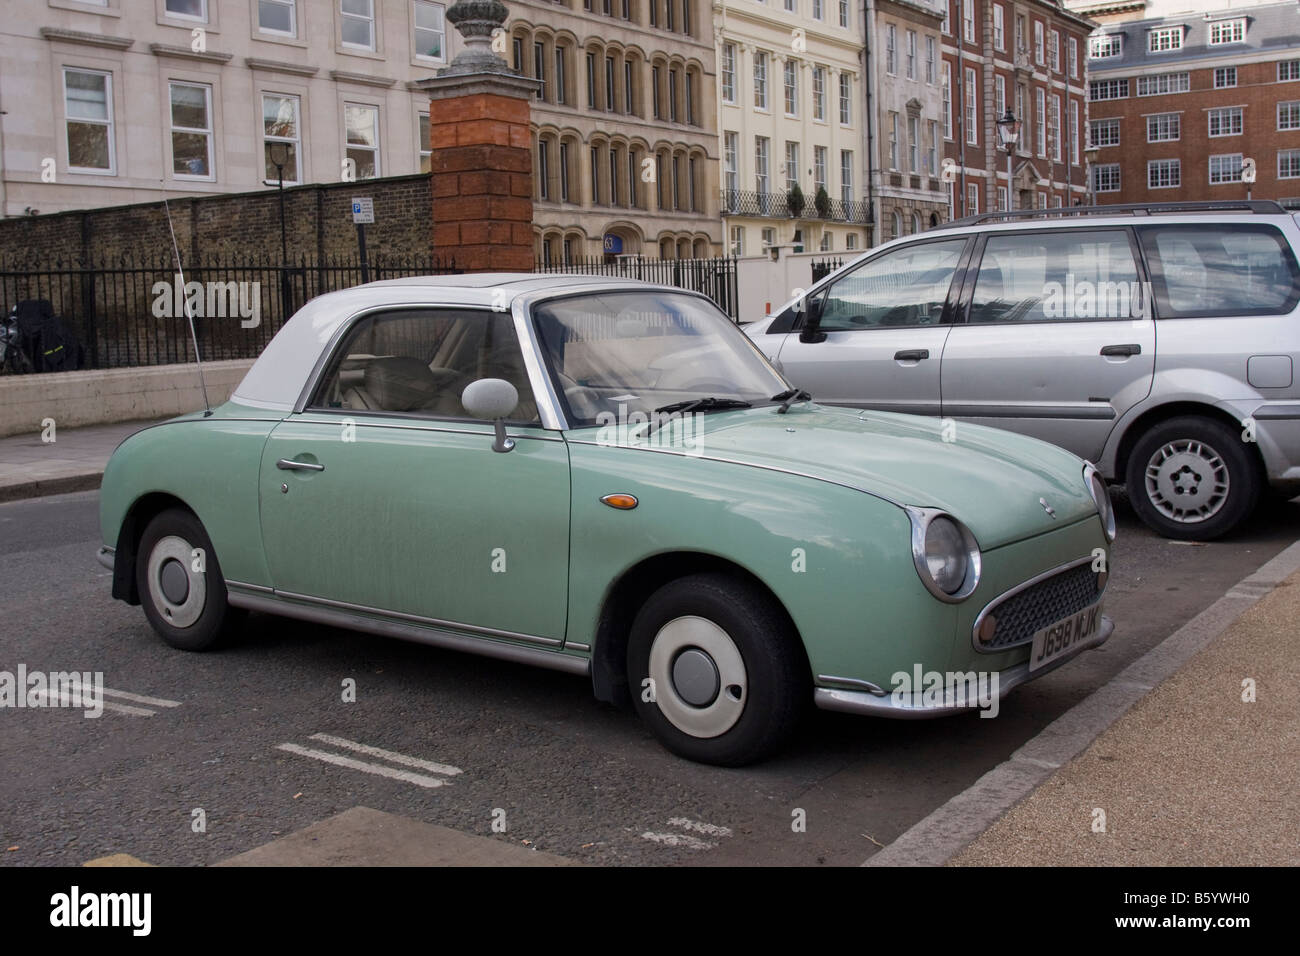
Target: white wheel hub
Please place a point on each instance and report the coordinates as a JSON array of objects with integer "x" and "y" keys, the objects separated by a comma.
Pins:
[
  {"x": 700, "y": 682},
  {"x": 179, "y": 593}
]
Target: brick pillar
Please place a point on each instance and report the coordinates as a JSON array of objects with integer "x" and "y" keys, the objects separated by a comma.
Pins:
[{"x": 482, "y": 167}]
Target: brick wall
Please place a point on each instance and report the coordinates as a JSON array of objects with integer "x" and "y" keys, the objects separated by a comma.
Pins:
[{"x": 318, "y": 224}]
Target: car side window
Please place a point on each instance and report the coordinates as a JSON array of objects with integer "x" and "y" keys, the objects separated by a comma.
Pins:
[
  {"x": 904, "y": 287},
  {"x": 1221, "y": 269},
  {"x": 1069, "y": 275},
  {"x": 419, "y": 361}
]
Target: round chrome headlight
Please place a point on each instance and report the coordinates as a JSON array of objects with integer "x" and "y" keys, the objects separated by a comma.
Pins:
[
  {"x": 945, "y": 553},
  {"x": 1101, "y": 498}
]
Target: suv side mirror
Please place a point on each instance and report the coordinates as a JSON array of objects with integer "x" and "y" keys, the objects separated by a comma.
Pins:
[{"x": 492, "y": 399}]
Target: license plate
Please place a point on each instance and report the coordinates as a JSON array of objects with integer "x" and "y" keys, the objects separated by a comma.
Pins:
[{"x": 1064, "y": 637}]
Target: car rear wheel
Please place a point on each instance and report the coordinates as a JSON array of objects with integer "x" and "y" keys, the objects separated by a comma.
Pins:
[
  {"x": 716, "y": 670},
  {"x": 180, "y": 583},
  {"x": 1192, "y": 478}
]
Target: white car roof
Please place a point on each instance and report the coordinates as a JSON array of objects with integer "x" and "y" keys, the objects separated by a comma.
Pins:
[{"x": 277, "y": 377}]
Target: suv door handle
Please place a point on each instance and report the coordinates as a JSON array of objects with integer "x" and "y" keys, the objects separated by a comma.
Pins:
[
  {"x": 1132, "y": 349},
  {"x": 284, "y": 464},
  {"x": 911, "y": 355}
]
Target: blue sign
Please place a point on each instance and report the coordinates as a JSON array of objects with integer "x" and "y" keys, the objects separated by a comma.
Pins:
[{"x": 613, "y": 243}]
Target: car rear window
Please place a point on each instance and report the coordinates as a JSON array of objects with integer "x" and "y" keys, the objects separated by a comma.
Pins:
[{"x": 1221, "y": 269}]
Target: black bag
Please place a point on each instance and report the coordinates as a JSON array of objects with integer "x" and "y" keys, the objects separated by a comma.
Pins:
[{"x": 48, "y": 342}]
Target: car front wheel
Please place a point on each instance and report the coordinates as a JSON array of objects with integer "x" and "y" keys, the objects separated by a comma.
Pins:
[
  {"x": 180, "y": 583},
  {"x": 1192, "y": 478},
  {"x": 716, "y": 670}
]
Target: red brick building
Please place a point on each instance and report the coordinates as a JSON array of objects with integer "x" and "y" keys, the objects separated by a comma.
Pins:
[
  {"x": 1178, "y": 104},
  {"x": 1028, "y": 56}
]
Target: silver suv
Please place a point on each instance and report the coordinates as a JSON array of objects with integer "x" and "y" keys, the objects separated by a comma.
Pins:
[{"x": 1158, "y": 341}]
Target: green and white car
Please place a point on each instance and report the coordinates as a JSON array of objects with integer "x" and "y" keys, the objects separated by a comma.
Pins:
[{"x": 607, "y": 477}]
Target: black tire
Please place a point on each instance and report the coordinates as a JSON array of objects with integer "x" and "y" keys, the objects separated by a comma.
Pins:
[
  {"x": 1193, "y": 478},
  {"x": 752, "y": 711},
  {"x": 200, "y": 619}
]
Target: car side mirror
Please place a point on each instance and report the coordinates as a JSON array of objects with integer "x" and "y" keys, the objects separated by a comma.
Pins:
[
  {"x": 492, "y": 399},
  {"x": 811, "y": 332}
]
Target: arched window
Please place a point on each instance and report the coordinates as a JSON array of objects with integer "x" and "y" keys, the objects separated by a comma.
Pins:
[
  {"x": 916, "y": 223},
  {"x": 895, "y": 225}
]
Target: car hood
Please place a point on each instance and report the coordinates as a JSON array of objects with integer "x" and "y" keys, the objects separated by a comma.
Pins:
[{"x": 990, "y": 479}]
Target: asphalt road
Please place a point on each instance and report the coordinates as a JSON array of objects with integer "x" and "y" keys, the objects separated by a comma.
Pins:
[{"x": 573, "y": 777}]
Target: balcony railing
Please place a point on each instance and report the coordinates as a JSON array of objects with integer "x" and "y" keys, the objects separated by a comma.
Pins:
[{"x": 775, "y": 205}]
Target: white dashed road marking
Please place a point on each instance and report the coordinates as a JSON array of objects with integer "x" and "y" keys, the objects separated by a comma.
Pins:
[
  {"x": 67, "y": 700},
  {"x": 365, "y": 766},
  {"x": 686, "y": 839}
]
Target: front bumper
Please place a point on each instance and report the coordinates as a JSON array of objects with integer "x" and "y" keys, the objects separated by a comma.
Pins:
[{"x": 882, "y": 703}]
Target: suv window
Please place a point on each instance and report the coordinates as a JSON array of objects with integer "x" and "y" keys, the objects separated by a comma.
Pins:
[
  {"x": 904, "y": 287},
  {"x": 1221, "y": 269},
  {"x": 418, "y": 362},
  {"x": 1067, "y": 275}
]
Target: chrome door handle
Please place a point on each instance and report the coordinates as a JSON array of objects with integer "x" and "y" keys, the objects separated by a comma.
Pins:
[{"x": 285, "y": 464}]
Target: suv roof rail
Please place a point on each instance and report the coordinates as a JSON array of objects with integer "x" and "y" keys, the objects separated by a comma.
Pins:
[{"x": 1258, "y": 206}]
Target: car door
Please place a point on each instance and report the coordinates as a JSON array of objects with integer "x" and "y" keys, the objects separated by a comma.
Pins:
[
  {"x": 383, "y": 493},
  {"x": 1057, "y": 338},
  {"x": 880, "y": 331}
]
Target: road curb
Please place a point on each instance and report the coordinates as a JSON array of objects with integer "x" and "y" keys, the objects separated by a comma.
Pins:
[
  {"x": 955, "y": 825},
  {"x": 62, "y": 485}
]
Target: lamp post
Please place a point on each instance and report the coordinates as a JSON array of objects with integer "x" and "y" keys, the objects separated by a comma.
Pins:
[
  {"x": 278, "y": 153},
  {"x": 1009, "y": 134},
  {"x": 1090, "y": 157}
]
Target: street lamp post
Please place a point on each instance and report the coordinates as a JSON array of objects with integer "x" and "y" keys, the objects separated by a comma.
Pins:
[
  {"x": 1009, "y": 134},
  {"x": 278, "y": 153},
  {"x": 1090, "y": 157}
]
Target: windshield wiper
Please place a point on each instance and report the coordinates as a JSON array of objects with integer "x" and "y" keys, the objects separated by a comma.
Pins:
[
  {"x": 789, "y": 397},
  {"x": 664, "y": 413}
]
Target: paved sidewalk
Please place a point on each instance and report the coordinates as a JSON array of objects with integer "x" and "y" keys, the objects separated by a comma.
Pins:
[
  {"x": 31, "y": 467},
  {"x": 1192, "y": 775}
]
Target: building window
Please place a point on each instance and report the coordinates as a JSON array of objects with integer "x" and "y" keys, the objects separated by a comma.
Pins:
[
  {"x": 790, "y": 6},
  {"x": 539, "y": 68},
  {"x": 1162, "y": 83},
  {"x": 1288, "y": 70},
  {"x": 88, "y": 106},
  {"x": 729, "y": 73},
  {"x": 1040, "y": 120},
  {"x": 431, "y": 30},
  {"x": 361, "y": 124},
  {"x": 999, "y": 32},
  {"x": 1054, "y": 127},
  {"x": 891, "y": 50},
  {"x": 1225, "y": 168},
  {"x": 826, "y": 242},
  {"x": 818, "y": 13},
  {"x": 1039, "y": 58},
  {"x": 591, "y": 84},
  {"x": 769, "y": 237},
  {"x": 1074, "y": 56},
  {"x": 929, "y": 60},
  {"x": 543, "y": 169},
  {"x": 1288, "y": 115},
  {"x": 280, "y": 126},
  {"x": 972, "y": 199},
  {"x": 851, "y": 241},
  {"x": 1074, "y": 132},
  {"x": 999, "y": 94},
  {"x": 564, "y": 172},
  {"x": 595, "y": 178},
  {"x": 1226, "y": 121},
  {"x": 1103, "y": 133},
  {"x": 968, "y": 21},
  {"x": 791, "y": 71},
  {"x": 1002, "y": 198},
  {"x": 1225, "y": 77},
  {"x": 1107, "y": 90},
  {"x": 1105, "y": 46},
  {"x": 844, "y": 13},
  {"x": 611, "y": 101},
  {"x": 893, "y": 140},
  {"x": 1288, "y": 164},
  {"x": 913, "y": 144},
  {"x": 737, "y": 241},
  {"x": 846, "y": 177},
  {"x": 819, "y": 168},
  {"x": 277, "y": 16},
  {"x": 1054, "y": 51},
  {"x": 1105, "y": 178},
  {"x": 819, "y": 93},
  {"x": 1164, "y": 39},
  {"x": 731, "y": 166},
  {"x": 972, "y": 114},
  {"x": 423, "y": 152},
  {"x": 791, "y": 164},
  {"x": 1163, "y": 128},
  {"x": 846, "y": 100},
  {"x": 760, "y": 81},
  {"x": 947, "y": 101},
  {"x": 191, "y": 130},
  {"x": 187, "y": 9},
  {"x": 762, "y": 146},
  {"x": 358, "y": 22},
  {"x": 932, "y": 155},
  {"x": 690, "y": 100},
  {"x": 1164, "y": 174},
  {"x": 1228, "y": 31},
  {"x": 911, "y": 54},
  {"x": 633, "y": 178}
]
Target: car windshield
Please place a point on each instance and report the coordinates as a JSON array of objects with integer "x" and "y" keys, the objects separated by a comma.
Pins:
[{"x": 626, "y": 354}]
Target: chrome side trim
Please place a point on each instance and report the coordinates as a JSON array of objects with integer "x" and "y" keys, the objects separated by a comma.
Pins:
[
  {"x": 1024, "y": 585},
  {"x": 1093, "y": 412},
  {"x": 856, "y": 702},
  {"x": 417, "y": 619},
  {"x": 256, "y": 588},
  {"x": 106, "y": 556},
  {"x": 440, "y": 425},
  {"x": 420, "y": 634},
  {"x": 866, "y": 685},
  {"x": 285, "y": 464},
  {"x": 575, "y": 646}
]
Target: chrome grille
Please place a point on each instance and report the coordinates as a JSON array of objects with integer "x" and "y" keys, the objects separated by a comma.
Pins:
[{"x": 1026, "y": 612}]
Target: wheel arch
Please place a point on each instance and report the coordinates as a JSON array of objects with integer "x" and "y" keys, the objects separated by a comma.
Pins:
[
  {"x": 143, "y": 510},
  {"x": 1134, "y": 431},
  {"x": 629, "y": 593}
]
